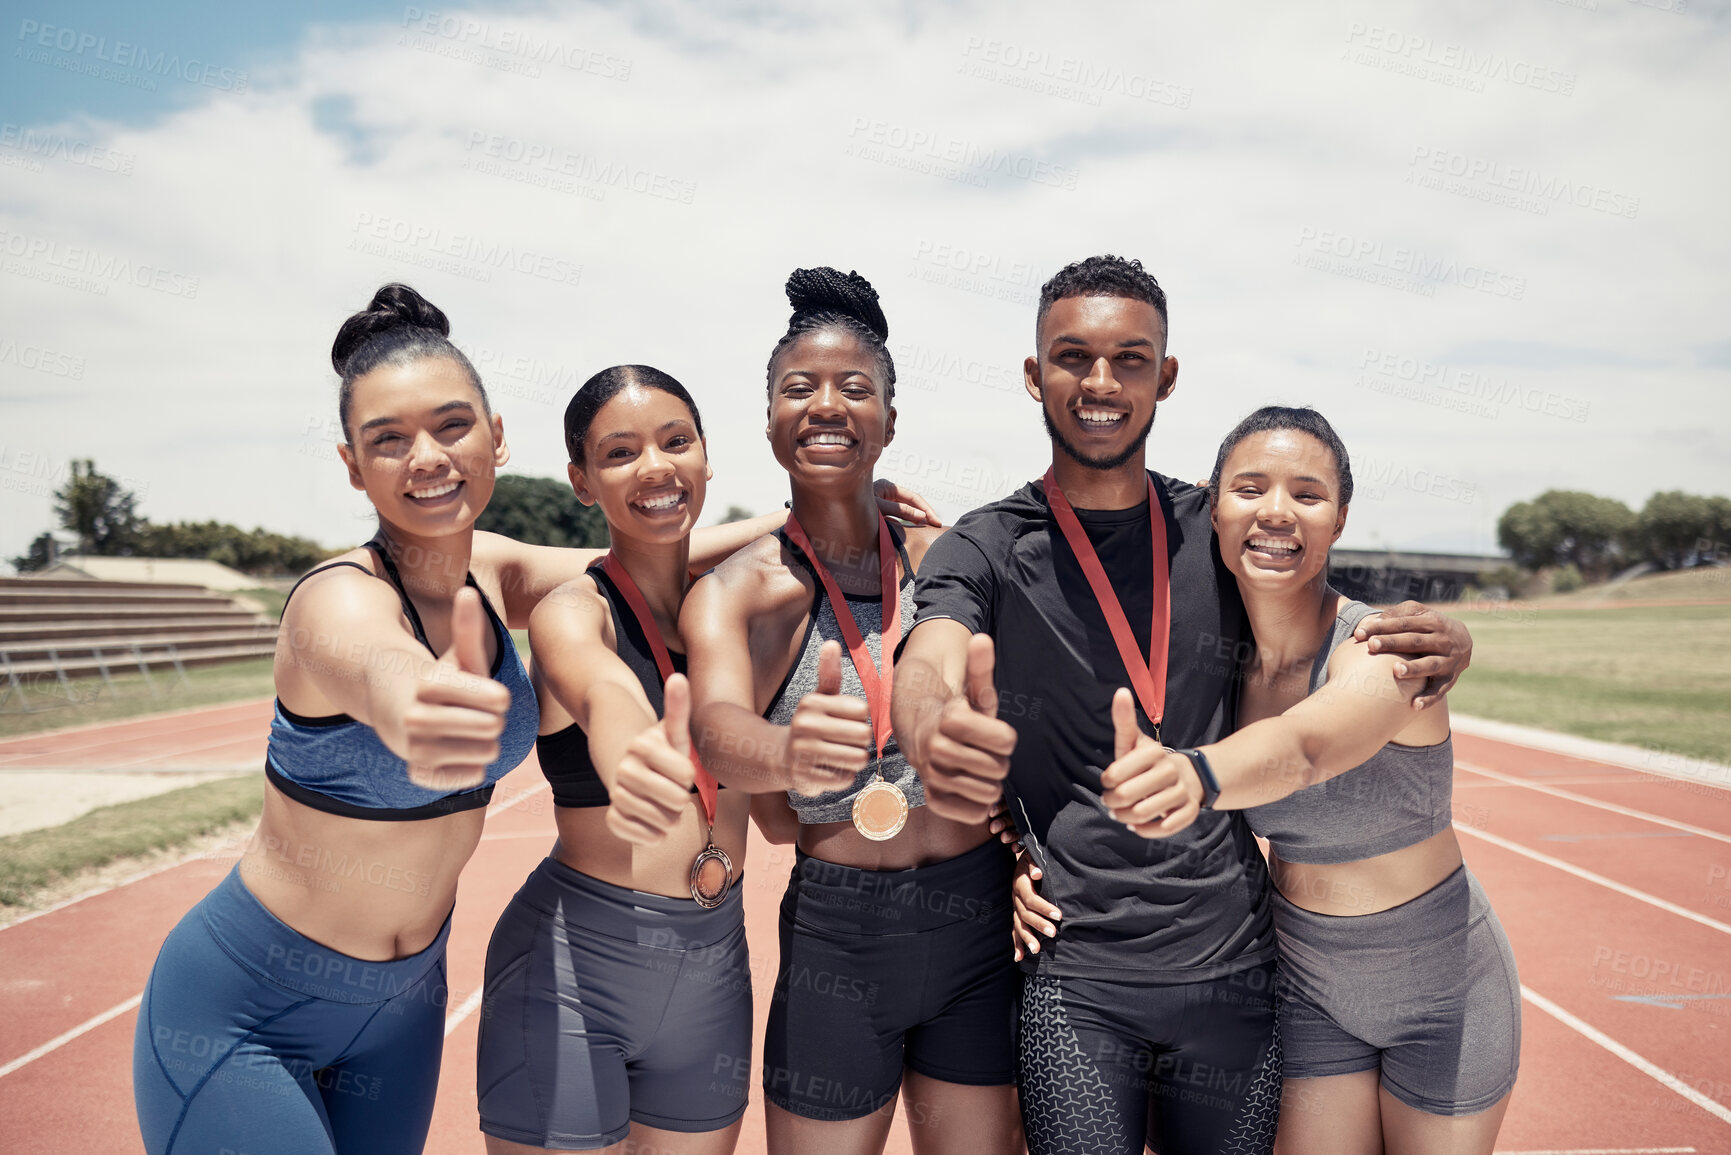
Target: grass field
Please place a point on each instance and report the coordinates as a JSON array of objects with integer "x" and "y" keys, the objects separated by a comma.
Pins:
[
  {"x": 1653, "y": 676},
  {"x": 36, "y": 859}
]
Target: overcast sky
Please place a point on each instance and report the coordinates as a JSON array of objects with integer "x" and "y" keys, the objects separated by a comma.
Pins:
[{"x": 1487, "y": 240}]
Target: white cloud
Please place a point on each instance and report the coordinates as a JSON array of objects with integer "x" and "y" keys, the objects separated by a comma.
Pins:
[{"x": 1221, "y": 146}]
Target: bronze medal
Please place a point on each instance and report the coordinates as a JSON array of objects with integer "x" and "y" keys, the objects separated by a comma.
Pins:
[
  {"x": 712, "y": 870},
  {"x": 880, "y": 810},
  {"x": 711, "y": 876}
]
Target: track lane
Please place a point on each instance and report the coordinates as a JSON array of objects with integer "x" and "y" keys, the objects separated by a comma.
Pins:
[{"x": 1576, "y": 944}]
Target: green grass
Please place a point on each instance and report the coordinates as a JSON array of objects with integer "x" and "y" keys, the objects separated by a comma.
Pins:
[
  {"x": 1651, "y": 676},
  {"x": 93, "y": 702},
  {"x": 37, "y": 858}
]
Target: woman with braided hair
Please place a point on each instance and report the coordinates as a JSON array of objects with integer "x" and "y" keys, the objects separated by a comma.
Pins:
[{"x": 893, "y": 977}]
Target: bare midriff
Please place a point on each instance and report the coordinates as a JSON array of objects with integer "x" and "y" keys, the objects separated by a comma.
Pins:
[
  {"x": 372, "y": 890},
  {"x": 586, "y": 845},
  {"x": 1368, "y": 885},
  {"x": 924, "y": 840}
]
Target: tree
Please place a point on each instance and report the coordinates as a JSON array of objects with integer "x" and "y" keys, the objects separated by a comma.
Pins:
[
  {"x": 252, "y": 551},
  {"x": 39, "y": 556},
  {"x": 1567, "y": 527},
  {"x": 1673, "y": 525},
  {"x": 736, "y": 513},
  {"x": 542, "y": 511},
  {"x": 99, "y": 510}
]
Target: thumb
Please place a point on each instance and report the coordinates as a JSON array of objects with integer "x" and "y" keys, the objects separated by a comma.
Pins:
[
  {"x": 829, "y": 668},
  {"x": 468, "y": 649},
  {"x": 982, "y": 657},
  {"x": 676, "y": 712},
  {"x": 1125, "y": 732}
]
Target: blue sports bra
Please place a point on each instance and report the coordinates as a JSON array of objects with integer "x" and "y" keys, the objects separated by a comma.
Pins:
[{"x": 338, "y": 765}]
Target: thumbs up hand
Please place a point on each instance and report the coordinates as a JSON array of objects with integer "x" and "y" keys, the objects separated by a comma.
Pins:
[
  {"x": 1152, "y": 790},
  {"x": 969, "y": 755},
  {"x": 452, "y": 724},
  {"x": 651, "y": 789},
  {"x": 829, "y": 738}
]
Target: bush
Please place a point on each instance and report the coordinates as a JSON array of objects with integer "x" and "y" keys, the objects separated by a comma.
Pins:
[{"x": 1566, "y": 580}]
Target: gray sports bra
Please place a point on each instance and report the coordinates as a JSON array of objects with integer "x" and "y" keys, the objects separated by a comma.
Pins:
[
  {"x": 1397, "y": 798},
  {"x": 837, "y": 805}
]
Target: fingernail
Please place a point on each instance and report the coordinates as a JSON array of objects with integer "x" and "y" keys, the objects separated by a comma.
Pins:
[{"x": 1400, "y": 669}]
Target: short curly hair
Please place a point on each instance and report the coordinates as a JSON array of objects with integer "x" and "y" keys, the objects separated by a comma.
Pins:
[{"x": 1102, "y": 276}]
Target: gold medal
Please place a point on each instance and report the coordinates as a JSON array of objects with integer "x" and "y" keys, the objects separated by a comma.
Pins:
[
  {"x": 711, "y": 876},
  {"x": 880, "y": 810}
]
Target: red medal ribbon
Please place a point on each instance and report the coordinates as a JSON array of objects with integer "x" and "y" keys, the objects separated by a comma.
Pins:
[
  {"x": 877, "y": 690},
  {"x": 1147, "y": 678},
  {"x": 706, "y": 784}
]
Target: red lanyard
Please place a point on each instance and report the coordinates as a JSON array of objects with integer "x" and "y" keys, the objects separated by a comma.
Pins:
[
  {"x": 1147, "y": 678},
  {"x": 706, "y": 785},
  {"x": 877, "y": 690}
]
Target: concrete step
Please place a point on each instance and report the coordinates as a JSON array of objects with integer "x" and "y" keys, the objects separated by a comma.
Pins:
[
  {"x": 86, "y": 648},
  {"x": 22, "y": 615},
  {"x": 75, "y": 600},
  {"x": 40, "y": 673},
  {"x": 56, "y": 630},
  {"x": 35, "y": 583}
]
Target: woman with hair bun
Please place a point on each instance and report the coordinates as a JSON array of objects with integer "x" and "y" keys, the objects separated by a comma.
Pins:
[
  {"x": 299, "y": 1007},
  {"x": 893, "y": 977}
]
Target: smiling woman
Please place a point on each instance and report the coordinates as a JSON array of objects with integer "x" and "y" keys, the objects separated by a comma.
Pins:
[{"x": 400, "y": 701}]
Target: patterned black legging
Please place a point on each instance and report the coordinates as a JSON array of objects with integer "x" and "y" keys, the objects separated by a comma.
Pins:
[{"x": 1108, "y": 1067}]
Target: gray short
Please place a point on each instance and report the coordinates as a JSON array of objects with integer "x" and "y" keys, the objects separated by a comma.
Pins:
[
  {"x": 604, "y": 1005},
  {"x": 1426, "y": 991}
]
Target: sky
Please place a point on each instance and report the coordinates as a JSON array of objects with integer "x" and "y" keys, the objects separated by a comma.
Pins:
[{"x": 1485, "y": 239}]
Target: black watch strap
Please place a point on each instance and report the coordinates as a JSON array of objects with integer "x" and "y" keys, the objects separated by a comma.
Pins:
[{"x": 1210, "y": 784}]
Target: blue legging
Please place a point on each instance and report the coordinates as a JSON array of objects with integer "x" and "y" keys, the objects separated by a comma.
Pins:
[{"x": 254, "y": 1040}]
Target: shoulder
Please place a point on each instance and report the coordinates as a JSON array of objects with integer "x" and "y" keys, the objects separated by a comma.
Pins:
[
  {"x": 1004, "y": 520},
  {"x": 762, "y": 576},
  {"x": 577, "y": 600},
  {"x": 1186, "y": 500},
  {"x": 342, "y": 593},
  {"x": 919, "y": 539}
]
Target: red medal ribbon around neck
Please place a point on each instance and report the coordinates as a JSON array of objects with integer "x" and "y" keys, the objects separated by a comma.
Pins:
[
  {"x": 1147, "y": 678},
  {"x": 706, "y": 784},
  {"x": 877, "y": 689}
]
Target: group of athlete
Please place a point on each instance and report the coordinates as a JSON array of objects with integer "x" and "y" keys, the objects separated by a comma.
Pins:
[{"x": 1025, "y": 762}]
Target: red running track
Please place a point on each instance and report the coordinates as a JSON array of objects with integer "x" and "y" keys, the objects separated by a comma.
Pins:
[{"x": 1614, "y": 886}]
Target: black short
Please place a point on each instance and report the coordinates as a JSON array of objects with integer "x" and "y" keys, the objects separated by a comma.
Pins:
[
  {"x": 1109, "y": 1066},
  {"x": 882, "y": 970}
]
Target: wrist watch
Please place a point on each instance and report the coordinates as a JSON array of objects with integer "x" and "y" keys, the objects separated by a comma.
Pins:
[{"x": 1210, "y": 784}]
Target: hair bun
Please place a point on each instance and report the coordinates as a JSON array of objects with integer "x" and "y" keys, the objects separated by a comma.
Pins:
[
  {"x": 394, "y": 306},
  {"x": 827, "y": 290}
]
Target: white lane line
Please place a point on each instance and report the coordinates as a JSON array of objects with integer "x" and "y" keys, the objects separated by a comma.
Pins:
[
  {"x": 542, "y": 834},
  {"x": 1570, "y": 795},
  {"x": 1604, "y": 1151},
  {"x": 1599, "y": 879},
  {"x": 501, "y": 807},
  {"x": 1646, "y": 1067},
  {"x": 59, "y": 1041},
  {"x": 456, "y": 1017}
]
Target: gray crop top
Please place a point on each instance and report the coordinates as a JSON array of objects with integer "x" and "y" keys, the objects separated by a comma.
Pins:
[
  {"x": 1397, "y": 798},
  {"x": 837, "y": 805}
]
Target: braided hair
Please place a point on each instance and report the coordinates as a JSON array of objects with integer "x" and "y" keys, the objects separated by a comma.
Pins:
[
  {"x": 398, "y": 327},
  {"x": 825, "y": 298}
]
